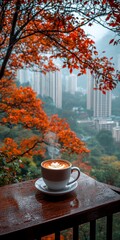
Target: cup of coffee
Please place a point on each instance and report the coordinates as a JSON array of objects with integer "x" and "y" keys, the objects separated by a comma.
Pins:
[{"x": 56, "y": 173}]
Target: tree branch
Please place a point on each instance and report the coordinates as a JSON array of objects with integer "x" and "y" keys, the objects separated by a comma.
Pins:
[{"x": 11, "y": 41}]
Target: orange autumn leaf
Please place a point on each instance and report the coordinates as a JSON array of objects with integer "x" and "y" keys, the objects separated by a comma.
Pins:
[
  {"x": 52, "y": 237},
  {"x": 29, "y": 31},
  {"x": 22, "y": 108},
  {"x": 26, "y": 40}
]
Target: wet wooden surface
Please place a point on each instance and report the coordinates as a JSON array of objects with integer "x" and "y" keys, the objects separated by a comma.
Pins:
[{"x": 25, "y": 209}]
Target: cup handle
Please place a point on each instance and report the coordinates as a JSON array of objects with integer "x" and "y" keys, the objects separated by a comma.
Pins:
[{"x": 75, "y": 179}]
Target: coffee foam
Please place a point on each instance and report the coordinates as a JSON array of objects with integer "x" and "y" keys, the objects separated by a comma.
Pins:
[{"x": 56, "y": 165}]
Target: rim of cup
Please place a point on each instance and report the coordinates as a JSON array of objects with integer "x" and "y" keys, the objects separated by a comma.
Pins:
[{"x": 63, "y": 160}]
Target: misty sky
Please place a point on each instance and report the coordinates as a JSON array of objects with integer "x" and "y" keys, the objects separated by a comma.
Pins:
[{"x": 96, "y": 32}]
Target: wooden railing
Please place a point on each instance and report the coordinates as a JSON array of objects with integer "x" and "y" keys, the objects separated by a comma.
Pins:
[{"x": 27, "y": 213}]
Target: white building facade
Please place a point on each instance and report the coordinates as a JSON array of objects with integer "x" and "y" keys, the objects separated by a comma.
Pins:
[
  {"x": 71, "y": 83},
  {"x": 46, "y": 85},
  {"x": 97, "y": 101},
  {"x": 116, "y": 133}
]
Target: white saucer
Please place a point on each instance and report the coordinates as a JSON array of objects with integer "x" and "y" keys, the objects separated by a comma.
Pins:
[{"x": 40, "y": 185}]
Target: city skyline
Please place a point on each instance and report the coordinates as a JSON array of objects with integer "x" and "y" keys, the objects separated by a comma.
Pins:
[{"x": 49, "y": 84}]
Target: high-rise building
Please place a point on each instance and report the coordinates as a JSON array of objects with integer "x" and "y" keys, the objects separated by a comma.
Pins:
[
  {"x": 97, "y": 101},
  {"x": 90, "y": 82},
  {"x": 35, "y": 81},
  {"x": 24, "y": 75},
  {"x": 71, "y": 83},
  {"x": 45, "y": 85},
  {"x": 116, "y": 133},
  {"x": 53, "y": 87},
  {"x": 101, "y": 104}
]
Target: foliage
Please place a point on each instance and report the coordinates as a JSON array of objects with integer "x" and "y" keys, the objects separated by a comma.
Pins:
[
  {"x": 73, "y": 100},
  {"x": 106, "y": 140},
  {"x": 9, "y": 172},
  {"x": 20, "y": 106},
  {"x": 49, "y": 106},
  {"x": 84, "y": 229},
  {"x": 33, "y": 33},
  {"x": 108, "y": 171},
  {"x": 52, "y": 237},
  {"x": 116, "y": 226},
  {"x": 30, "y": 29},
  {"x": 28, "y": 130}
]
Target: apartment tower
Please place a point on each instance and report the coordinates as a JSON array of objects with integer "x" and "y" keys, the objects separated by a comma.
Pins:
[
  {"x": 97, "y": 101},
  {"x": 49, "y": 84},
  {"x": 71, "y": 83}
]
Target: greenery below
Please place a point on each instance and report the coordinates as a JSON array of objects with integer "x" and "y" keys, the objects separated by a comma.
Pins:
[
  {"x": 105, "y": 152},
  {"x": 104, "y": 157}
]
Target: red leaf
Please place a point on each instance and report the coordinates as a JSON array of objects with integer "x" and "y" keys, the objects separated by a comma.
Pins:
[
  {"x": 111, "y": 41},
  {"x": 95, "y": 2},
  {"x": 104, "y": 92},
  {"x": 64, "y": 66},
  {"x": 90, "y": 24},
  {"x": 104, "y": 2},
  {"x": 95, "y": 52},
  {"x": 108, "y": 17}
]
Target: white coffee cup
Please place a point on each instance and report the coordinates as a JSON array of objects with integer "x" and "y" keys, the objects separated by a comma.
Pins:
[{"x": 56, "y": 173}]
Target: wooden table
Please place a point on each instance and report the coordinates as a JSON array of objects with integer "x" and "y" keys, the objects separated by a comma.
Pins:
[{"x": 27, "y": 212}]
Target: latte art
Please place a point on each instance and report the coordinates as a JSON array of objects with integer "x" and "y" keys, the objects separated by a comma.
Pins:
[{"x": 56, "y": 165}]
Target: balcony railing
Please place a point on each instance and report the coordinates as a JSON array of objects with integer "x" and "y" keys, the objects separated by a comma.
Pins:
[{"x": 27, "y": 213}]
